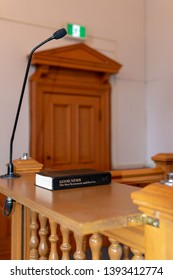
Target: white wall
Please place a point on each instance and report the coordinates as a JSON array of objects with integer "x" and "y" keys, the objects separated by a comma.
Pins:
[
  {"x": 159, "y": 77},
  {"x": 114, "y": 27}
]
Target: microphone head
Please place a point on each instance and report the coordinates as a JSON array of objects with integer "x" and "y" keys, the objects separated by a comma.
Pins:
[{"x": 60, "y": 33}]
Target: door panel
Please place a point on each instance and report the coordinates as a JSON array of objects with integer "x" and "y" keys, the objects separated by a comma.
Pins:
[
  {"x": 85, "y": 133},
  {"x": 71, "y": 131},
  {"x": 60, "y": 136}
]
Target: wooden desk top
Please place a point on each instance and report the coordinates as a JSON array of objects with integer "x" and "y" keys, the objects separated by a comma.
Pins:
[{"x": 82, "y": 210}]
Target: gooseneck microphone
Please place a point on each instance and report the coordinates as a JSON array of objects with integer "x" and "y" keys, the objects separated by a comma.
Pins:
[{"x": 10, "y": 168}]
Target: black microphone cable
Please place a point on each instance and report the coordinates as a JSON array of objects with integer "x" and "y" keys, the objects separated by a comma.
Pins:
[{"x": 8, "y": 206}]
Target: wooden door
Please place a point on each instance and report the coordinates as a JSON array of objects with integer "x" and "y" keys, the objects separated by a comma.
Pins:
[{"x": 71, "y": 131}]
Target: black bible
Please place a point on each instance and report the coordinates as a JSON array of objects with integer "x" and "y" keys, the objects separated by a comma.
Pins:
[{"x": 74, "y": 178}]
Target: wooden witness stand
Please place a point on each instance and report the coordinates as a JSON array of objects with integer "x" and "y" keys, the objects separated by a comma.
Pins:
[
  {"x": 105, "y": 210},
  {"x": 62, "y": 208}
]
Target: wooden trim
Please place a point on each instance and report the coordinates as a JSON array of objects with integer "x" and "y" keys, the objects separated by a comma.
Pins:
[
  {"x": 77, "y": 56},
  {"x": 137, "y": 176},
  {"x": 16, "y": 237}
]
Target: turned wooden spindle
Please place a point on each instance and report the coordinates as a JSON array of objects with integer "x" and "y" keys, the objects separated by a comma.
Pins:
[
  {"x": 65, "y": 246},
  {"x": 34, "y": 241},
  {"x": 95, "y": 243},
  {"x": 84, "y": 243},
  {"x": 126, "y": 252},
  {"x": 137, "y": 255},
  {"x": 79, "y": 253},
  {"x": 53, "y": 238},
  {"x": 43, "y": 232},
  {"x": 115, "y": 250}
]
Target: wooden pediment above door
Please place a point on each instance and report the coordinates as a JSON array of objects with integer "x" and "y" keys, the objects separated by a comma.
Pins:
[{"x": 78, "y": 56}]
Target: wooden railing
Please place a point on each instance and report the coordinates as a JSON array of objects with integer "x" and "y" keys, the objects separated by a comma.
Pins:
[
  {"x": 47, "y": 242},
  {"x": 145, "y": 176},
  {"x": 46, "y": 238},
  {"x": 51, "y": 241},
  {"x": 138, "y": 177}
]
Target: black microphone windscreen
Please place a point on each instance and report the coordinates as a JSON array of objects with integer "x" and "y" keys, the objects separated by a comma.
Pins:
[{"x": 60, "y": 33}]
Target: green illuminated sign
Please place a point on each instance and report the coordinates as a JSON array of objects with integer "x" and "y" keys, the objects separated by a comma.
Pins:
[{"x": 77, "y": 31}]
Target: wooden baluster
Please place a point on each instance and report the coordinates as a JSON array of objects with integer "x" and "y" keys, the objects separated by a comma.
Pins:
[
  {"x": 43, "y": 232},
  {"x": 126, "y": 252},
  {"x": 95, "y": 243},
  {"x": 79, "y": 254},
  {"x": 65, "y": 246},
  {"x": 53, "y": 238},
  {"x": 34, "y": 237},
  {"x": 84, "y": 243},
  {"x": 137, "y": 255},
  {"x": 115, "y": 250}
]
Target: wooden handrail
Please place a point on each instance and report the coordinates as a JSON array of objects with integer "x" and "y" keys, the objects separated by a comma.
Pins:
[
  {"x": 144, "y": 176},
  {"x": 139, "y": 177}
]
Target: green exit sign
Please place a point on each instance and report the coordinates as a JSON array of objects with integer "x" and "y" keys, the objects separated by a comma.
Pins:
[{"x": 76, "y": 31}]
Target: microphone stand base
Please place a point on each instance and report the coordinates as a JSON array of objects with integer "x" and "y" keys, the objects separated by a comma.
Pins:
[
  {"x": 10, "y": 172},
  {"x": 13, "y": 175}
]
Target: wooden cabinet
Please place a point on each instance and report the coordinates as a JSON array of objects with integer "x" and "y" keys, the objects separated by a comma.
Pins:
[{"x": 70, "y": 108}]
